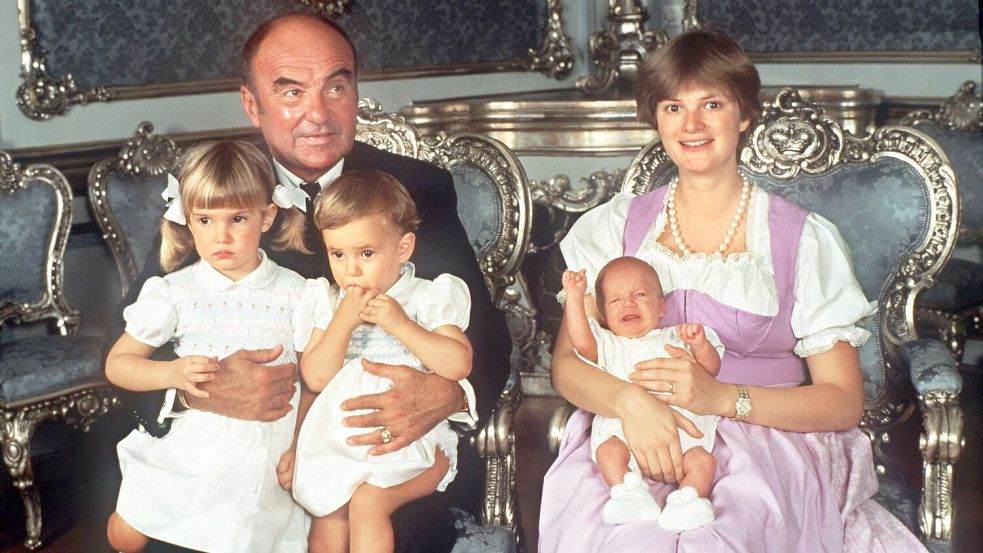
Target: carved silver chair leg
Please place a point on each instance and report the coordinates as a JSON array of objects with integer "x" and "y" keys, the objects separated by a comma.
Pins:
[
  {"x": 78, "y": 409},
  {"x": 17, "y": 429},
  {"x": 496, "y": 445},
  {"x": 941, "y": 443}
]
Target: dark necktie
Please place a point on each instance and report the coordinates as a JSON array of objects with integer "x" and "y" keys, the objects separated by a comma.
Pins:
[{"x": 312, "y": 189}]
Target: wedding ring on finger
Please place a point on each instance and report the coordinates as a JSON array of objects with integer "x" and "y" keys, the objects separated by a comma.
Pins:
[{"x": 386, "y": 435}]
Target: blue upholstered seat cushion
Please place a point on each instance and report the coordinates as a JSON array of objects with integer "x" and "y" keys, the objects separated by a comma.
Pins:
[
  {"x": 965, "y": 151},
  {"x": 40, "y": 366},
  {"x": 138, "y": 208},
  {"x": 958, "y": 286},
  {"x": 26, "y": 219},
  {"x": 478, "y": 206},
  {"x": 472, "y": 537}
]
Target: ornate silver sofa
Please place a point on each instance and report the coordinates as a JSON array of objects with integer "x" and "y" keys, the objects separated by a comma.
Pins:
[
  {"x": 953, "y": 308},
  {"x": 802, "y": 154},
  {"x": 494, "y": 205},
  {"x": 42, "y": 376}
]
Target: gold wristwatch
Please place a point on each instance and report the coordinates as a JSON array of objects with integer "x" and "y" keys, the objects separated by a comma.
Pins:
[{"x": 742, "y": 407}]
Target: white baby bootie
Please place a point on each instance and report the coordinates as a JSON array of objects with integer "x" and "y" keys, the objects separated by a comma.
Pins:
[
  {"x": 685, "y": 510},
  {"x": 630, "y": 501}
]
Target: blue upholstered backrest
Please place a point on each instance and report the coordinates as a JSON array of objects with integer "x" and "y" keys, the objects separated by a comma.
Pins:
[
  {"x": 137, "y": 206},
  {"x": 478, "y": 206},
  {"x": 35, "y": 218},
  {"x": 27, "y": 219}
]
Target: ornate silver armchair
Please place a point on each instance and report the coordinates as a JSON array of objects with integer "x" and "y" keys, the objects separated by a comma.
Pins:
[
  {"x": 800, "y": 153},
  {"x": 495, "y": 206},
  {"x": 124, "y": 193},
  {"x": 953, "y": 308},
  {"x": 42, "y": 377}
]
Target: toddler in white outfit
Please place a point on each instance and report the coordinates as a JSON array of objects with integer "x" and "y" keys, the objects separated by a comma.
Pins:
[
  {"x": 210, "y": 484},
  {"x": 377, "y": 311}
]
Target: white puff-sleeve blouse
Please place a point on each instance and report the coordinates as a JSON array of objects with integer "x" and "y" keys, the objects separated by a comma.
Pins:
[{"x": 829, "y": 302}]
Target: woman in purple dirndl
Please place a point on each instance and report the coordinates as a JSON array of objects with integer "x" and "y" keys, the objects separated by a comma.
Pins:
[{"x": 776, "y": 283}]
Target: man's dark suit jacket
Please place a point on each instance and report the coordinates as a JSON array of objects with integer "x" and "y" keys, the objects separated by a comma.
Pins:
[{"x": 442, "y": 246}]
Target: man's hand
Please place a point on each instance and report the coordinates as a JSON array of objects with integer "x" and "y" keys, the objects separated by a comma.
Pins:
[
  {"x": 415, "y": 404},
  {"x": 245, "y": 389}
]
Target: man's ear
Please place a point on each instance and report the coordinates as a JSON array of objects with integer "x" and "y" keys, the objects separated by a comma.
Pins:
[
  {"x": 406, "y": 245},
  {"x": 269, "y": 215},
  {"x": 250, "y": 104}
]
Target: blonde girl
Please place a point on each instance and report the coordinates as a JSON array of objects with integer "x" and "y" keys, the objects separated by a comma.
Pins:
[{"x": 210, "y": 483}]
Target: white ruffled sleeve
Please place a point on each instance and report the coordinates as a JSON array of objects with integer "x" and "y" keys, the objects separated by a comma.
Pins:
[
  {"x": 152, "y": 319},
  {"x": 597, "y": 237},
  {"x": 829, "y": 302},
  {"x": 315, "y": 308},
  {"x": 445, "y": 301}
]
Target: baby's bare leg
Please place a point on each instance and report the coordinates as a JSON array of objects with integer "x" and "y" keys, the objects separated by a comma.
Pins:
[
  {"x": 329, "y": 534},
  {"x": 698, "y": 469},
  {"x": 124, "y": 537},
  {"x": 612, "y": 460},
  {"x": 371, "y": 507}
]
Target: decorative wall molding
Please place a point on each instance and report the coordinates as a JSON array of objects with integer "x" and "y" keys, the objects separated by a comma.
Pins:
[
  {"x": 56, "y": 49},
  {"x": 815, "y": 41}
]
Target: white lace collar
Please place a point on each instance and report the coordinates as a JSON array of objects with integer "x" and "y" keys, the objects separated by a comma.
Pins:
[{"x": 211, "y": 279}]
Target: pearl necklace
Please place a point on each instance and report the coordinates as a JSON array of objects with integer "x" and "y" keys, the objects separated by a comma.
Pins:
[{"x": 731, "y": 232}]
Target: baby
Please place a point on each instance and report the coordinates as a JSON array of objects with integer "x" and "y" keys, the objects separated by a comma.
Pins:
[{"x": 631, "y": 305}]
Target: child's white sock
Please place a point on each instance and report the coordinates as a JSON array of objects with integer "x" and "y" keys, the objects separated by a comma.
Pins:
[
  {"x": 630, "y": 501},
  {"x": 685, "y": 510}
]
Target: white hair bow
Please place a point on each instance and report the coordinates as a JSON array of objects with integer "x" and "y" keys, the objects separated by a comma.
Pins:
[
  {"x": 172, "y": 197},
  {"x": 290, "y": 195}
]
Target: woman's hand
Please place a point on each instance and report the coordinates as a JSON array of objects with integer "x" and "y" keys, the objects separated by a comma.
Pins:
[
  {"x": 652, "y": 432},
  {"x": 681, "y": 381}
]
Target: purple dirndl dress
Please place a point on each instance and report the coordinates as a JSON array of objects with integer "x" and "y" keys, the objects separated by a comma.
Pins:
[{"x": 774, "y": 491}]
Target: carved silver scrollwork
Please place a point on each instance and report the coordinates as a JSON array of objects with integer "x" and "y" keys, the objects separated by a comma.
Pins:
[
  {"x": 961, "y": 112},
  {"x": 562, "y": 200},
  {"x": 620, "y": 48},
  {"x": 386, "y": 131},
  {"x": 17, "y": 425},
  {"x": 496, "y": 444},
  {"x": 941, "y": 443},
  {"x": 555, "y": 58},
  {"x": 42, "y": 95},
  {"x": 798, "y": 137},
  {"x": 147, "y": 155},
  {"x": 328, "y": 8}
]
